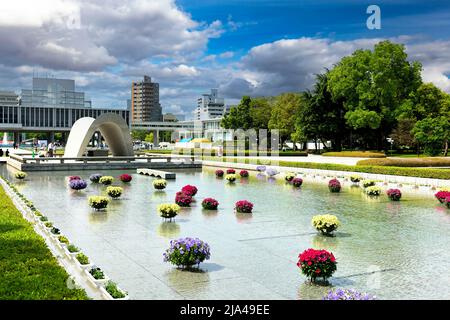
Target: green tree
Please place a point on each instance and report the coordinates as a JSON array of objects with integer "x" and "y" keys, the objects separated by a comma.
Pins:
[
  {"x": 320, "y": 118},
  {"x": 260, "y": 111},
  {"x": 284, "y": 114},
  {"x": 138, "y": 134},
  {"x": 239, "y": 116},
  {"x": 430, "y": 108},
  {"x": 149, "y": 137},
  {"x": 373, "y": 85},
  {"x": 433, "y": 133}
]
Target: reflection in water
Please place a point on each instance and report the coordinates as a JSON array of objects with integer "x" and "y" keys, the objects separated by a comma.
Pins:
[
  {"x": 185, "y": 211},
  {"x": 193, "y": 280},
  {"x": 158, "y": 195},
  {"x": 244, "y": 181},
  {"x": 77, "y": 193},
  {"x": 371, "y": 198},
  {"x": 323, "y": 242},
  {"x": 168, "y": 229},
  {"x": 243, "y": 217},
  {"x": 311, "y": 291},
  {"x": 261, "y": 176},
  {"x": 98, "y": 216},
  {"x": 210, "y": 213},
  {"x": 393, "y": 207}
]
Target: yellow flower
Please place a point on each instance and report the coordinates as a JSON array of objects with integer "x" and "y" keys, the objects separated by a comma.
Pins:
[
  {"x": 114, "y": 192},
  {"x": 326, "y": 223},
  {"x": 168, "y": 210}
]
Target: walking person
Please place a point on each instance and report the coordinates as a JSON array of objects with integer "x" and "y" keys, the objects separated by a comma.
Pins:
[{"x": 50, "y": 150}]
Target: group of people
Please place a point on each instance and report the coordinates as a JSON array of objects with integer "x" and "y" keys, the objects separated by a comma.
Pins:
[
  {"x": 49, "y": 152},
  {"x": 6, "y": 153}
]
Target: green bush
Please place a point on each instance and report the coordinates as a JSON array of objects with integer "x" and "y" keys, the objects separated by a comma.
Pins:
[
  {"x": 82, "y": 258},
  {"x": 212, "y": 152},
  {"x": 406, "y": 162},
  {"x": 97, "y": 273},
  {"x": 112, "y": 289},
  {"x": 72, "y": 248},
  {"x": 355, "y": 154}
]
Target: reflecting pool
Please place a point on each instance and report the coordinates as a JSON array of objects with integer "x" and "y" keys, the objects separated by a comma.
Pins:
[{"x": 394, "y": 250}]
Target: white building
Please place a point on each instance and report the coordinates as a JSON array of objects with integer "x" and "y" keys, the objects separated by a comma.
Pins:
[{"x": 209, "y": 106}]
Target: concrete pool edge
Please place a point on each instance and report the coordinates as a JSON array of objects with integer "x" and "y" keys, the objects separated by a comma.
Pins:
[{"x": 76, "y": 274}]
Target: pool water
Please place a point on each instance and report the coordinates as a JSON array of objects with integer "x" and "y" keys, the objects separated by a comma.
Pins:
[{"x": 394, "y": 250}]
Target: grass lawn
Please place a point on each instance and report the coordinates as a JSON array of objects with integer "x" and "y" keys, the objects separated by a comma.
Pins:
[
  {"x": 28, "y": 269},
  {"x": 357, "y": 154},
  {"x": 407, "y": 162}
]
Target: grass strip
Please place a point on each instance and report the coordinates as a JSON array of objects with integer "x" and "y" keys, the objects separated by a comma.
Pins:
[{"x": 29, "y": 271}]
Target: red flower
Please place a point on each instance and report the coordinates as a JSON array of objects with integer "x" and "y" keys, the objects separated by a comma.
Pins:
[
  {"x": 189, "y": 190},
  {"x": 125, "y": 177},
  {"x": 183, "y": 199},
  {"x": 317, "y": 263}
]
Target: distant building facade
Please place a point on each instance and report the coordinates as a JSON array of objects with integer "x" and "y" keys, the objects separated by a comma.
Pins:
[
  {"x": 51, "y": 92},
  {"x": 170, "y": 117},
  {"x": 145, "y": 106},
  {"x": 51, "y": 105},
  {"x": 9, "y": 102},
  {"x": 209, "y": 106}
]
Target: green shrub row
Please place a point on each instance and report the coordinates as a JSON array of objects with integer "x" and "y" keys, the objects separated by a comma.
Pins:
[
  {"x": 209, "y": 152},
  {"x": 407, "y": 162},
  {"x": 398, "y": 171},
  {"x": 355, "y": 154}
]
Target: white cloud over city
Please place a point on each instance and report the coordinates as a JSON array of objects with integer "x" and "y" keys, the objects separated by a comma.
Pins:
[{"x": 105, "y": 44}]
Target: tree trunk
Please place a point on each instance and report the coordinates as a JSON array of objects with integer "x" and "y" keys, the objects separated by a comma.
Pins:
[{"x": 446, "y": 148}]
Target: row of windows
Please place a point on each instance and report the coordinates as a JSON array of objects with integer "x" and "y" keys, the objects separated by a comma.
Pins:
[{"x": 51, "y": 117}]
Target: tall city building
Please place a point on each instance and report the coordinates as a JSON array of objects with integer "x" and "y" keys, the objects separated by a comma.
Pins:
[
  {"x": 209, "y": 106},
  {"x": 145, "y": 104},
  {"x": 51, "y": 92}
]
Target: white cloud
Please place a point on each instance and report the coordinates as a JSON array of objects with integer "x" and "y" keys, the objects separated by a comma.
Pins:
[
  {"x": 92, "y": 35},
  {"x": 291, "y": 64}
]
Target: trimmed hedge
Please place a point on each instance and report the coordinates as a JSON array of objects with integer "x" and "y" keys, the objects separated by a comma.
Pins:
[
  {"x": 209, "y": 152},
  {"x": 28, "y": 269},
  {"x": 407, "y": 162},
  {"x": 399, "y": 171},
  {"x": 355, "y": 154}
]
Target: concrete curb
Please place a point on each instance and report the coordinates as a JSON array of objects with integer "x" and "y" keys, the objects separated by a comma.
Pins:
[{"x": 76, "y": 273}]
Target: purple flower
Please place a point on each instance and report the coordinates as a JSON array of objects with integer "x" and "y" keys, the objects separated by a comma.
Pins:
[
  {"x": 271, "y": 172},
  {"x": 77, "y": 184},
  {"x": 95, "y": 177},
  {"x": 261, "y": 168},
  {"x": 347, "y": 294},
  {"x": 186, "y": 252}
]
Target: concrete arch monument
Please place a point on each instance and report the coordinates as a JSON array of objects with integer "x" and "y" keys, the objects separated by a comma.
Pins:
[{"x": 112, "y": 127}]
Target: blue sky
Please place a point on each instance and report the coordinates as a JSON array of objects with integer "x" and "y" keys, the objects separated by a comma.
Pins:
[
  {"x": 254, "y": 47},
  {"x": 266, "y": 21}
]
